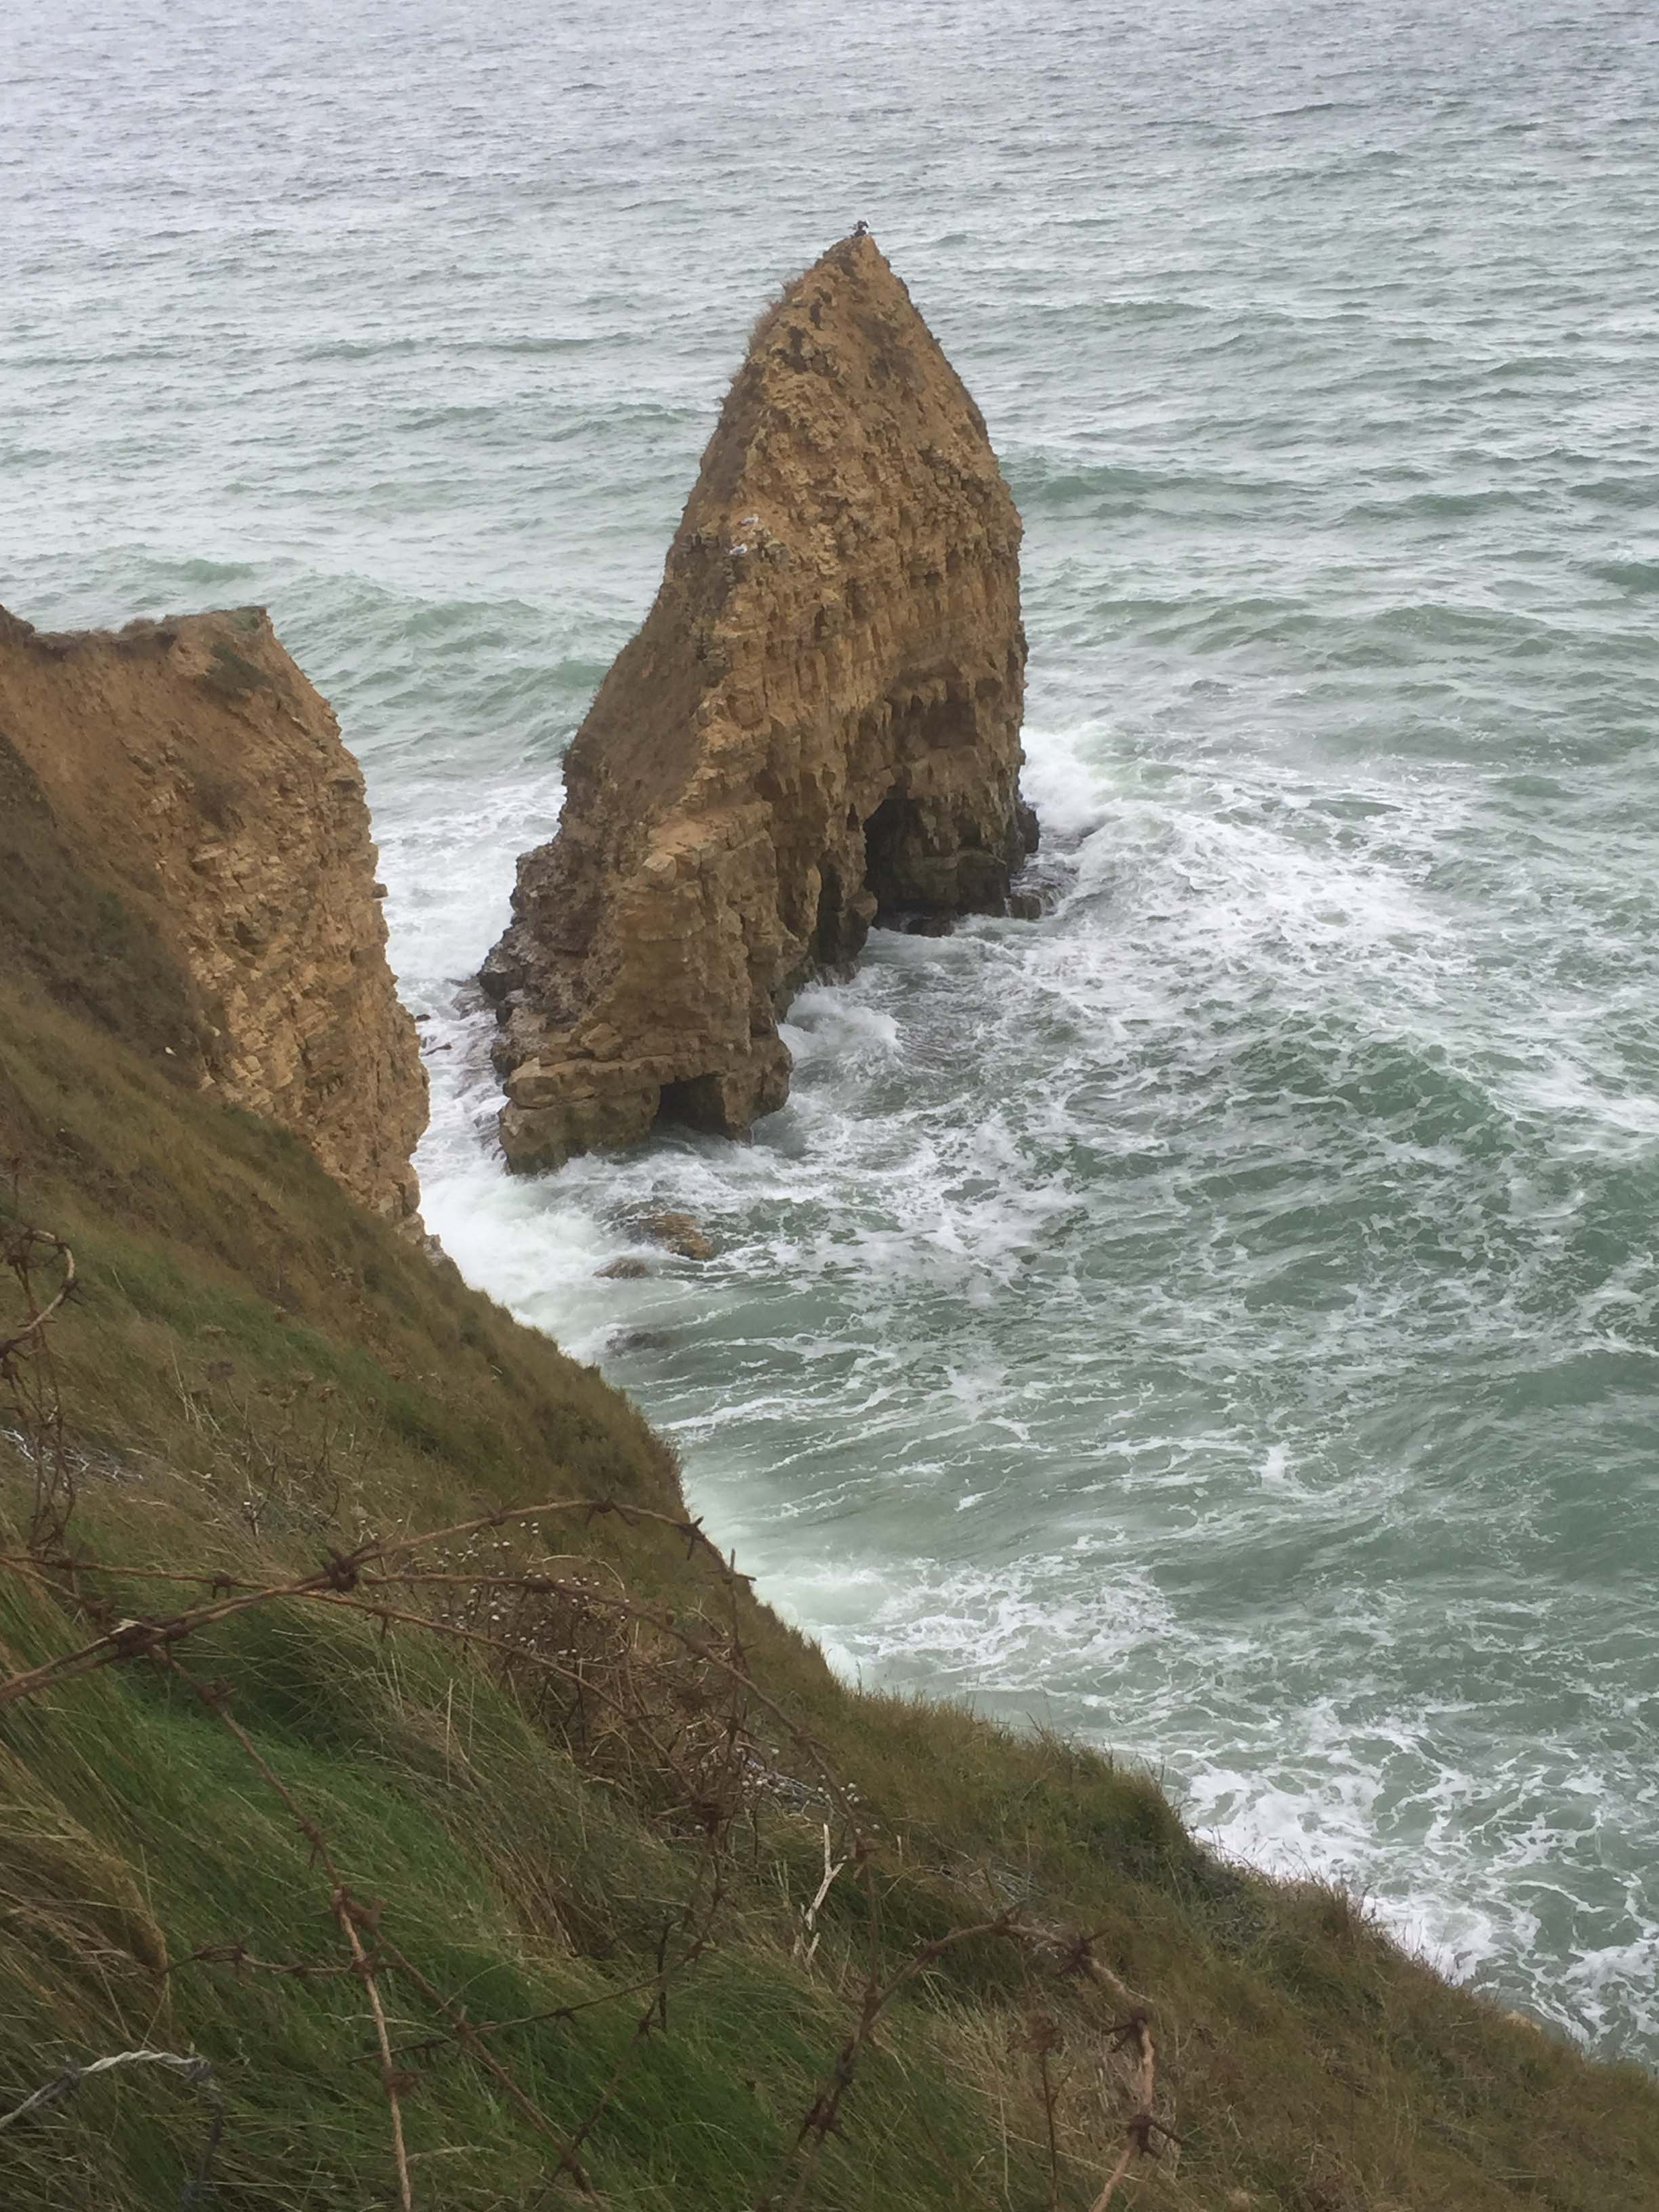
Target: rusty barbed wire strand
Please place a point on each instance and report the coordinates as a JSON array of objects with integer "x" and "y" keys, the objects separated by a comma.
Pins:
[
  {"x": 341, "y": 1571},
  {"x": 18, "y": 1244}
]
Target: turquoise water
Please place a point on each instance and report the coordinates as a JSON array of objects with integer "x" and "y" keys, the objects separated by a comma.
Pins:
[{"x": 1222, "y": 1317}]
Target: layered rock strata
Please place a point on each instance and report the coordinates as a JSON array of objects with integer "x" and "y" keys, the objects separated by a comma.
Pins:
[
  {"x": 179, "y": 795},
  {"x": 817, "y": 727}
]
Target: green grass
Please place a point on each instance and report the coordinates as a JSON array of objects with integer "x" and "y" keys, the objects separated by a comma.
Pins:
[{"x": 258, "y": 1373}]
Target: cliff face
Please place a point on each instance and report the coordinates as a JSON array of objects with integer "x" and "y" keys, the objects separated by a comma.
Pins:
[
  {"x": 178, "y": 795},
  {"x": 818, "y": 726}
]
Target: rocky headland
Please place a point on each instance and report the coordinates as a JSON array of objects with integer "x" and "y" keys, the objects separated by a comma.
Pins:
[
  {"x": 176, "y": 799},
  {"x": 815, "y": 729}
]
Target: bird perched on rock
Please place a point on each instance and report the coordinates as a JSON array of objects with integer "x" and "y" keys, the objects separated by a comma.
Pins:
[{"x": 861, "y": 230}]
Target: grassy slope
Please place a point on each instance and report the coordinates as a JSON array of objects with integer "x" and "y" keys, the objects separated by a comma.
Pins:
[{"x": 257, "y": 1371}]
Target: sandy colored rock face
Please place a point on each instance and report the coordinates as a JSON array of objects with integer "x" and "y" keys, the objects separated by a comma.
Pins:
[
  {"x": 817, "y": 727},
  {"x": 199, "y": 781}
]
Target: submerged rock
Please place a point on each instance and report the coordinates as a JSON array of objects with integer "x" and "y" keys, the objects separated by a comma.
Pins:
[
  {"x": 177, "y": 807},
  {"x": 641, "y": 1339},
  {"x": 678, "y": 1232},
  {"x": 817, "y": 727}
]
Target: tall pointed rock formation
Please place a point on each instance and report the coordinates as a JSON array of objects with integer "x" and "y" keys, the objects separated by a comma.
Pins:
[{"x": 817, "y": 727}]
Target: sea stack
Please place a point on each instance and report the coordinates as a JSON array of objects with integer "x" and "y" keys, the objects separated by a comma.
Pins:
[
  {"x": 176, "y": 797},
  {"x": 816, "y": 728}
]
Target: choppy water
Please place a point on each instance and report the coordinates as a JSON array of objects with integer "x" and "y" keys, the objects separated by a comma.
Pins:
[{"x": 1222, "y": 1317}]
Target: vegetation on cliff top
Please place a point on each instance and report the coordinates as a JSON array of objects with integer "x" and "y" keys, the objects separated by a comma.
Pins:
[{"x": 498, "y": 1890}]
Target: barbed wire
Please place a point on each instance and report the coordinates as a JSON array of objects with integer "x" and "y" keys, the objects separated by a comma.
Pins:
[{"x": 197, "y": 2070}]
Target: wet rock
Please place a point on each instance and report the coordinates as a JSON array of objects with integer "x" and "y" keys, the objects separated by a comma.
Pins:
[
  {"x": 678, "y": 1232},
  {"x": 641, "y": 1339},
  {"x": 627, "y": 1269}
]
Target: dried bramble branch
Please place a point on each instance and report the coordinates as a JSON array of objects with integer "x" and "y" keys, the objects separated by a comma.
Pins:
[
  {"x": 805, "y": 1951},
  {"x": 1043, "y": 2040},
  {"x": 551, "y": 2014},
  {"x": 341, "y": 1571},
  {"x": 239, "y": 1955},
  {"x": 28, "y": 1377},
  {"x": 1141, "y": 2125},
  {"x": 21, "y": 1245}
]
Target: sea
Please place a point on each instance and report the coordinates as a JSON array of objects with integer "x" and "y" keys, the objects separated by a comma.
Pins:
[{"x": 1220, "y": 1319}]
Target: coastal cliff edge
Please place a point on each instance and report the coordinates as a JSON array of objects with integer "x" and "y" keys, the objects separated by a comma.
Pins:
[{"x": 176, "y": 802}]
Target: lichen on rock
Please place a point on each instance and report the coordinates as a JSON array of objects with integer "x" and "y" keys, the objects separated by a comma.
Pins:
[
  {"x": 179, "y": 794},
  {"x": 816, "y": 728}
]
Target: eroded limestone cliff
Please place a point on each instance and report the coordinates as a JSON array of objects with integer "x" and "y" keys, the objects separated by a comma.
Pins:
[
  {"x": 178, "y": 791},
  {"x": 818, "y": 726}
]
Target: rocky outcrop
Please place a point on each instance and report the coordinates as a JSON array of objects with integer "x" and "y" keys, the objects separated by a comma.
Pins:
[
  {"x": 817, "y": 727},
  {"x": 181, "y": 809}
]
